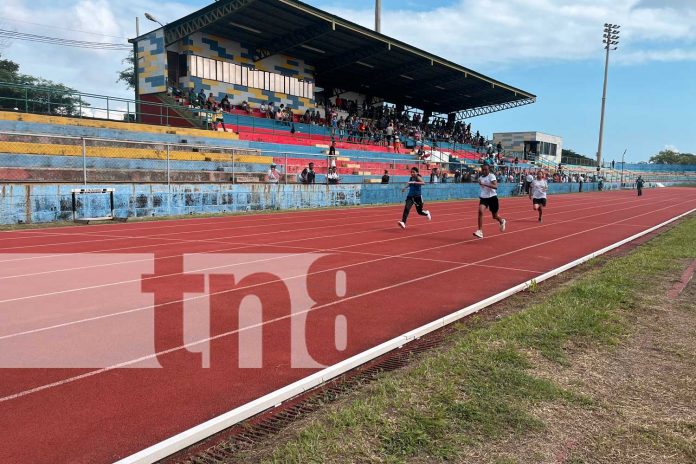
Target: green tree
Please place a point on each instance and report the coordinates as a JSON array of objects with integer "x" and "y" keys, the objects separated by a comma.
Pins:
[
  {"x": 35, "y": 94},
  {"x": 127, "y": 76},
  {"x": 673, "y": 157}
]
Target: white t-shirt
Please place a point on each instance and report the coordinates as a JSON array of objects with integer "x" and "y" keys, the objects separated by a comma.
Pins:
[
  {"x": 539, "y": 188},
  {"x": 487, "y": 192},
  {"x": 273, "y": 176},
  {"x": 529, "y": 178}
]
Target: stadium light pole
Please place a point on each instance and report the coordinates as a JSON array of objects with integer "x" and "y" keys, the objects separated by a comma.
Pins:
[
  {"x": 610, "y": 40},
  {"x": 378, "y": 15}
]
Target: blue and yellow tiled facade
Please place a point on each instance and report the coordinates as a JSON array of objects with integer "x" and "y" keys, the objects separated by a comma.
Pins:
[
  {"x": 217, "y": 48},
  {"x": 152, "y": 63}
]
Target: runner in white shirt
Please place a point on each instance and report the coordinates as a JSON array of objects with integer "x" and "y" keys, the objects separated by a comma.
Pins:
[
  {"x": 537, "y": 192},
  {"x": 488, "y": 199}
]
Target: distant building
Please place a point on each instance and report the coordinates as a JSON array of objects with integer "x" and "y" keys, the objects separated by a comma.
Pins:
[{"x": 530, "y": 145}]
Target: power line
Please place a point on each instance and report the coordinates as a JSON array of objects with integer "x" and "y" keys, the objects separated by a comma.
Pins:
[
  {"x": 63, "y": 28},
  {"x": 63, "y": 42}
]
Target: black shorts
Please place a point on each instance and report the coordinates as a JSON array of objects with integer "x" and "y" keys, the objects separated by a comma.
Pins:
[
  {"x": 539, "y": 201},
  {"x": 490, "y": 203}
]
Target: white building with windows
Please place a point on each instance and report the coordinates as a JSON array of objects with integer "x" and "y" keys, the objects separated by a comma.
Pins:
[{"x": 530, "y": 145}]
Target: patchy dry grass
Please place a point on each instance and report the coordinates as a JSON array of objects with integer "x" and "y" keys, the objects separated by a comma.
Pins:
[{"x": 598, "y": 370}]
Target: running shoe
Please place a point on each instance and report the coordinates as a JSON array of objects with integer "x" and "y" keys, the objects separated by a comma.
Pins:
[
  {"x": 478, "y": 234},
  {"x": 502, "y": 225},
  {"x": 430, "y": 218},
  {"x": 402, "y": 224},
  {"x": 539, "y": 220}
]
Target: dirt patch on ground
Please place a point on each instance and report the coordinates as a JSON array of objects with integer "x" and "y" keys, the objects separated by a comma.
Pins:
[{"x": 642, "y": 393}]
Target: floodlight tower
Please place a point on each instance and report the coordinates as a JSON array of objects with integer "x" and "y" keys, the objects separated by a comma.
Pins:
[
  {"x": 611, "y": 41},
  {"x": 378, "y": 15}
]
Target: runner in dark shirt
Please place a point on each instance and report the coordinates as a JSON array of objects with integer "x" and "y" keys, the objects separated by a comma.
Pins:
[{"x": 414, "y": 197}]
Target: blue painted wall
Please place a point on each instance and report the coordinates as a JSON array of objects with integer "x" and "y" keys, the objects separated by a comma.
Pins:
[{"x": 34, "y": 203}]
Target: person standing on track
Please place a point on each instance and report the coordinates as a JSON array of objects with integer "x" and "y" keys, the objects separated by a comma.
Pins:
[
  {"x": 414, "y": 197},
  {"x": 537, "y": 193},
  {"x": 488, "y": 199},
  {"x": 639, "y": 185}
]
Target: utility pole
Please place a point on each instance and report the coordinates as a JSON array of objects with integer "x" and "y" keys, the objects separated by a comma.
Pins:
[{"x": 610, "y": 40}]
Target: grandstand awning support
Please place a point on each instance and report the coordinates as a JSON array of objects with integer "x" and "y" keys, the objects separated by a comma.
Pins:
[
  {"x": 214, "y": 13},
  {"x": 288, "y": 41},
  {"x": 480, "y": 111}
]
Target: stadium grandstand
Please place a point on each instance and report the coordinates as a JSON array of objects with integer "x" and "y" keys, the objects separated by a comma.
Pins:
[
  {"x": 229, "y": 90},
  {"x": 194, "y": 339}
]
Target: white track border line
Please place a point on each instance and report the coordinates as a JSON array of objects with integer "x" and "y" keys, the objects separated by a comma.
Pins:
[{"x": 200, "y": 432}]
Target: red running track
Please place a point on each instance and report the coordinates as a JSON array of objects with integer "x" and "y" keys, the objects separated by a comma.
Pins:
[{"x": 93, "y": 320}]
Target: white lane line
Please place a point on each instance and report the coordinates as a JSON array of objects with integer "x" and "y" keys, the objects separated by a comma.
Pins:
[
  {"x": 316, "y": 308},
  {"x": 202, "y": 431},
  {"x": 238, "y": 246},
  {"x": 403, "y": 237}
]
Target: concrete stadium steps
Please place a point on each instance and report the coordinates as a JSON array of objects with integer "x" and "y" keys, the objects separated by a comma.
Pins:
[
  {"x": 73, "y": 162},
  {"x": 279, "y": 137},
  {"x": 66, "y": 175},
  {"x": 117, "y": 125},
  {"x": 116, "y": 134},
  {"x": 36, "y": 148}
]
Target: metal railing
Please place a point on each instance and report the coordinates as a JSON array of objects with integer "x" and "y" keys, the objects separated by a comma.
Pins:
[{"x": 59, "y": 101}]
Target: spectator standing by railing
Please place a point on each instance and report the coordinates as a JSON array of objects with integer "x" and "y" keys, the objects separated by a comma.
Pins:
[
  {"x": 307, "y": 176},
  {"x": 385, "y": 177},
  {"x": 219, "y": 119},
  {"x": 273, "y": 176},
  {"x": 332, "y": 176}
]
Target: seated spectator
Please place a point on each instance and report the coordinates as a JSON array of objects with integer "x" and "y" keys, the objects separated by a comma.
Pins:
[
  {"x": 225, "y": 103},
  {"x": 385, "y": 177},
  {"x": 201, "y": 98},
  {"x": 434, "y": 178},
  {"x": 211, "y": 104},
  {"x": 246, "y": 107},
  {"x": 273, "y": 176},
  {"x": 332, "y": 176},
  {"x": 271, "y": 112},
  {"x": 192, "y": 97},
  {"x": 264, "y": 110},
  {"x": 457, "y": 176},
  {"x": 307, "y": 176}
]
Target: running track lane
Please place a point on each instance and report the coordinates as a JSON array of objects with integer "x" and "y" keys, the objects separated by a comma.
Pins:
[{"x": 395, "y": 281}]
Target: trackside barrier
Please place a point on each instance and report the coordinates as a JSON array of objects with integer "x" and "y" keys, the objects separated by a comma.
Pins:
[{"x": 200, "y": 432}]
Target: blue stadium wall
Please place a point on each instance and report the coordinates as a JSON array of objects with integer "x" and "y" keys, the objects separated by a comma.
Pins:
[{"x": 41, "y": 203}]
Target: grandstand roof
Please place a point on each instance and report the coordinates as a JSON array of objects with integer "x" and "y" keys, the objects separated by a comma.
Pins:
[{"x": 351, "y": 57}]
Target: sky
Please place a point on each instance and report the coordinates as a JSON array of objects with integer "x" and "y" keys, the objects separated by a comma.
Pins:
[{"x": 551, "y": 48}]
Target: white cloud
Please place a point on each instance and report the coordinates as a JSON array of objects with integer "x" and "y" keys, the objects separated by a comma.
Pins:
[
  {"x": 476, "y": 32},
  {"x": 87, "y": 70},
  {"x": 480, "y": 34}
]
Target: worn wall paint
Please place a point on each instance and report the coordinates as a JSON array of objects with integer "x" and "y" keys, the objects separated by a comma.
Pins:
[{"x": 53, "y": 202}]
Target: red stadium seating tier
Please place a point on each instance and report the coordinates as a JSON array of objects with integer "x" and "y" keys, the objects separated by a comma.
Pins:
[{"x": 285, "y": 137}]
